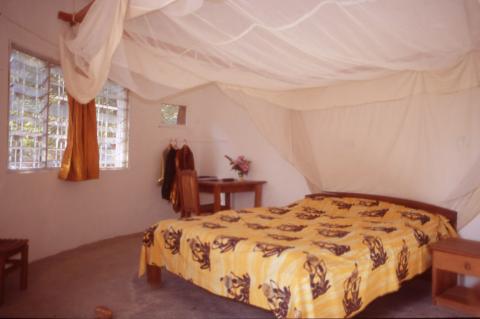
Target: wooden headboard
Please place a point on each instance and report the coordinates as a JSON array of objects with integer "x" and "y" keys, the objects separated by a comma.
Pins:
[{"x": 451, "y": 215}]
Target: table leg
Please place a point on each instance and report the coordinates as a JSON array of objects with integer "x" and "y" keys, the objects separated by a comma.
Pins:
[
  {"x": 154, "y": 275},
  {"x": 258, "y": 195},
  {"x": 216, "y": 199},
  {"x": 441, "y": 281},
  {"x": 2, "y": 279},
  {"x": 228, "y": 200},
  {"x": 24, "y": 268}
]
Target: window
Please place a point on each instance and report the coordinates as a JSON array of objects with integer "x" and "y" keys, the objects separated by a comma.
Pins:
[
  {"x": 38, "y": 117},
  {"x": 172, "y": 114}
]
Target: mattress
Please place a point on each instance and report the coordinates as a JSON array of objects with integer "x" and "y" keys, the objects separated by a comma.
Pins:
[{"x": 318, "y": 257}]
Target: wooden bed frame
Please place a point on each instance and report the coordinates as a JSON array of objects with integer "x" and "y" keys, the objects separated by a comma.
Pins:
[
  {"x": 451, "y": 215},
  {"x": 154, "y": 275}
]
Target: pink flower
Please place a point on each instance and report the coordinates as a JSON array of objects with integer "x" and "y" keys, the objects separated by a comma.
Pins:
[{"x": 240, "y": 164}]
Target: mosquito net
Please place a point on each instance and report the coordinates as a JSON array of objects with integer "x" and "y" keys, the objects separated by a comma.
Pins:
[{"x": 360, "y": 95}]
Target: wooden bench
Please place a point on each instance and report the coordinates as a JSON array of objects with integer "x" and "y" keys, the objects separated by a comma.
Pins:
[{"x": 8, "y": 249}]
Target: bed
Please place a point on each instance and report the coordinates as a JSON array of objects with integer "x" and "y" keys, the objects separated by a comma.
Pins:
[{"x": 327, "y": 255}]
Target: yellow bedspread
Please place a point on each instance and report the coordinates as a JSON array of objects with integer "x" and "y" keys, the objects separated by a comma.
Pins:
[{"x": 318, "y": 257}]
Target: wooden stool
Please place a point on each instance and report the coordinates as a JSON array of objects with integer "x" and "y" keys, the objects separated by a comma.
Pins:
[{"x": 8, "y": 249}]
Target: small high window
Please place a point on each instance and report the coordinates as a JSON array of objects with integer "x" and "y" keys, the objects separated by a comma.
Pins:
[
  {"x": 38, "y": 117},
  {"x": 172, "y": 114}
]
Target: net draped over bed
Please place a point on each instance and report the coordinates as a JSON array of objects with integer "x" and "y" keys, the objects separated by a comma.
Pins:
[
  {"x": 396, "y": 83},
  {"x": 318, "y": 257}
]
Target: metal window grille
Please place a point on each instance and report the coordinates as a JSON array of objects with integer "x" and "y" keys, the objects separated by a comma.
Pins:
[
  {"x": 112, "y": 126},
  {"x": 57, "y": 118},
  {"x": 38, "y": 117},
  {"x": 28, "y": 111}
]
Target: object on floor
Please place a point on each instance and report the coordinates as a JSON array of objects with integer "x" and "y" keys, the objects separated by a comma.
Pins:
[
  {"x": 102, "y": 312},
  {"x": 451, "y": 257},
  {"x": 8, "y": 249}
]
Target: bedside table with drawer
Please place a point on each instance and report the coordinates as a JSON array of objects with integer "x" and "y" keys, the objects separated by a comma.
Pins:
[{"x": 453, "y": 257}]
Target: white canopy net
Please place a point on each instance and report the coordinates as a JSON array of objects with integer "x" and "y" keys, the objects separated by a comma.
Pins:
[{"x": 360, "y": 95}]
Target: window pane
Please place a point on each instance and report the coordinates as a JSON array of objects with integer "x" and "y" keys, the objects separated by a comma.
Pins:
[
  {"x": 27, "y": 111},
  {"x": 112, "y": 126},
  {"x": 38, "y": 118},
  {"x": 57, "y": 118},
  {"x": 172, "y": 114}
]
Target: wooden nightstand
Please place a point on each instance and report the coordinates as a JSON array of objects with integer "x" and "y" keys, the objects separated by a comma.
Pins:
[{"x": 451, "y": 257}]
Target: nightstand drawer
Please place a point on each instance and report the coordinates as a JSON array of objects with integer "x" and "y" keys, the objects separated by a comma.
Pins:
[{"x": 455, "y": 263}]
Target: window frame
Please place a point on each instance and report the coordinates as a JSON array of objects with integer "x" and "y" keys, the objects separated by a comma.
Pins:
[{"x": 52, "y": 62}]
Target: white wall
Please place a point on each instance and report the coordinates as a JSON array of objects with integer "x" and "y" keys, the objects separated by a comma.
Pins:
[
  {"x": 218, "y": 127},
  {"x": 57, "y": 215}
]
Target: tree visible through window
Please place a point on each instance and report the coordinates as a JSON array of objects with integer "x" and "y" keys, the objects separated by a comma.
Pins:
[
  {"x": 38, "y": 117},
  {"x": 173, "y": 114}
]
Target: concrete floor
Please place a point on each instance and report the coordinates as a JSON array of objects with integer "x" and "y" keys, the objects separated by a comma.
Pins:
[{"x": 71, "y": 284}]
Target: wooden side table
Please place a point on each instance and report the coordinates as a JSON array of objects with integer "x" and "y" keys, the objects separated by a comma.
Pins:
[
  {"x": 8, "y": 249},
  {"x": 228, "y": 187},
  {"x": 451, "y": 257}
]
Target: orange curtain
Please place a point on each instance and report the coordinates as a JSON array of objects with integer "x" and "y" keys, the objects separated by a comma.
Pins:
[{"x": 80, "y": 160}]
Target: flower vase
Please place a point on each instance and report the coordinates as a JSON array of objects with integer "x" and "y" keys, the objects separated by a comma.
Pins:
[{"x": 240, "y": 176}]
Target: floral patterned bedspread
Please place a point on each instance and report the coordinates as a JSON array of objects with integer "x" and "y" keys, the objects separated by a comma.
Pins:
[{"x": 318, "y": 257}]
